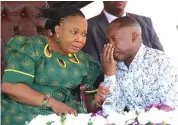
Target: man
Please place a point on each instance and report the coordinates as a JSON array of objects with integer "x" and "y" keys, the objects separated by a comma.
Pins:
[
  {"x": 138, "y": 76},
  {"x": 112, "y": 10}
]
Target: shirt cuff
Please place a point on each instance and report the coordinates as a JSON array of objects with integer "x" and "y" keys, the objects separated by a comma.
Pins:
[{"x": 110, "y": 78}]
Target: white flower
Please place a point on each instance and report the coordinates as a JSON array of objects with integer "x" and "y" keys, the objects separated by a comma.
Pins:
[
  {"x": 42, "y": 120},
  {"x": 143, "y": 118},
  {"x": 155, "y": 115},
  {"x": 98, "y": 120},
  {"x": 130, "y": 115},
  {"x": 115, "y": 118},
  {"x": 69, "y": 119},
  {"x": 172, "y": 117},
  {"x": 81, "y": 119}
]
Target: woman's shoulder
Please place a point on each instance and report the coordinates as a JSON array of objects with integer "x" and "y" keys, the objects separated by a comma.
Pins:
[
  {"x": 18, "y": 42},
  {"x": 33, "y": 45},
  {"x": 36, "y": 40}
]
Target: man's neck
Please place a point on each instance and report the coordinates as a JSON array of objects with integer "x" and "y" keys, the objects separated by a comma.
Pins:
[
  {"x": 114, "y": 13},
  {"x": 129, "y": 60}
]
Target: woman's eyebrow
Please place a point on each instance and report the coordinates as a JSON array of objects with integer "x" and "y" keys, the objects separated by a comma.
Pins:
[
  {"x": 78, "y": 29},
  {"x": 75, "y": 29}
]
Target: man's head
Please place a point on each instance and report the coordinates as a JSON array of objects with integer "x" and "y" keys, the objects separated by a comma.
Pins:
[
  {"x": 113, "y": 7},
  {"x": 124, "y": 34}
]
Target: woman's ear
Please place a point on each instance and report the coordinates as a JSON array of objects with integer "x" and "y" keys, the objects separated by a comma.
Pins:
[{"x": 57, "y": 30}]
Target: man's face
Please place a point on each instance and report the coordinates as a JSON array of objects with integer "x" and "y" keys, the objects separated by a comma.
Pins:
[
  {"x": 115, "y": 5},
  {"x": 121, "y": 39}
]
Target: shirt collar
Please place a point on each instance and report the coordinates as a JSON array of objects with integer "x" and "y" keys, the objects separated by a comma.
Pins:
[
  {"x": 136, "y": 61},
  {"x": 110, "y": 17}
]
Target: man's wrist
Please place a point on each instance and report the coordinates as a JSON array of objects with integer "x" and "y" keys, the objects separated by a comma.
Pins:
[
  {"x": 109, "y": 74},
  {"x": 112, "y": 78}
]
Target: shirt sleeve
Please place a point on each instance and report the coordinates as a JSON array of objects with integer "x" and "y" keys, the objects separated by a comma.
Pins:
[
  {"x": 20, "y": 61},
  {"x": 110, "y": 82},
  {"x": 168, "y": 83},
  {"x": 94, "y": 70}
]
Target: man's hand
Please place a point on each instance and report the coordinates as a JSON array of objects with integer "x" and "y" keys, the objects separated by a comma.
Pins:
[
  {"x": 59, "y": 107},
  {"x": 102, "y": 91},
  {"x": 108, "y": 62}
]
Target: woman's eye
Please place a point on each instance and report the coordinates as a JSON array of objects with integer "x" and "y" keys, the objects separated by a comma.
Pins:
[
  {"x": 74, "y": 32},
  {"x": 84, "y": 34}
]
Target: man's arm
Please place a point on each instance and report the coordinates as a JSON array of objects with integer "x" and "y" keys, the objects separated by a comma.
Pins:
[{"x": 168, "y": 82}]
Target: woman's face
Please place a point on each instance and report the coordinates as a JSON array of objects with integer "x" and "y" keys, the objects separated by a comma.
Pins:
[{"x": 72, "y": 34}]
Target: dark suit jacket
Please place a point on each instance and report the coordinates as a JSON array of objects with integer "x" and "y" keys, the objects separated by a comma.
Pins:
[{"x": 96, "y": 33}]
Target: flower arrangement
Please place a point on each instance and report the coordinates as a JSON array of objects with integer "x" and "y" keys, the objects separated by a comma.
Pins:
[{"x": 151, "y": 115}]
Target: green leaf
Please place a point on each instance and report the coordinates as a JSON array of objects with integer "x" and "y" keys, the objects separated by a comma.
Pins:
[
  {"x": 63, "y": 118},
  {"x": 164, "y": 122},
  {"x": 49, "y": 122},
  {"x": 90, "y": 122},
  {"x": 149, "y": 123}
]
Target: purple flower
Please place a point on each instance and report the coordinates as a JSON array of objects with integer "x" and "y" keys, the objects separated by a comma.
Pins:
[
  {"x": 160, "y": 107},
  {"x": 98, "y": 113}
]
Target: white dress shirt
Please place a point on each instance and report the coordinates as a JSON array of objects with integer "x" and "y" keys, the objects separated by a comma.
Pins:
[
  {"x": 150, "y": 79},
  {"x": 110, "y": 17}
]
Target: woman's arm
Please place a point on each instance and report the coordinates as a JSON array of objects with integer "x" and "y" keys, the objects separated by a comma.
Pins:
[
  {"x": 94, "y": 102},
  {"x": 92, "y": 106},
  {"x": 22, "y": 93}
]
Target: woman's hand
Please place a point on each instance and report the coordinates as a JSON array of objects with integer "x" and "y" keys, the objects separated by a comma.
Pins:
[
  {"x": 102, "y": 91},
  {"x": 59, "y": 107},
  {"x": 108, "y": 62}
]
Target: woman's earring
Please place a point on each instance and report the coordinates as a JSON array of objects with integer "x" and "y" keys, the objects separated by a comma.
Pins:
[{"x": 57, "y": 40}]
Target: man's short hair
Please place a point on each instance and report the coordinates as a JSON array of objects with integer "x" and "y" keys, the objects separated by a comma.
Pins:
[{"x": 127, "y": 22}]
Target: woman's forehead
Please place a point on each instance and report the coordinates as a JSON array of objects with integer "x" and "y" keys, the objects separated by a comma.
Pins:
[
  {"x": 74, "y": 19},
  {"x": 76, "y": 22}
]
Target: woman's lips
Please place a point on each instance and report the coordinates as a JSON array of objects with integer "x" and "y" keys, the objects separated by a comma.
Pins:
[{"x": 76, "y": 48}]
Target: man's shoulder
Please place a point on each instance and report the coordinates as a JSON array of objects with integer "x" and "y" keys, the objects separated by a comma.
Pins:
[
  {"x": 138, "y": 16},
  {"x": 156, "y": 55},
  {"x": 95, "y": 19}
]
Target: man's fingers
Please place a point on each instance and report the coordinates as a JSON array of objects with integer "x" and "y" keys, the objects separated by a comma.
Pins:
[
  {"x": 101, "y": 95},
  {"x": 109, "y": 46},
  {"x": 104, "y": 51},
  {"x": 99, "y": 100},
  {"x": 103, "y": 89},
  {"x": 111, "y": 54}
]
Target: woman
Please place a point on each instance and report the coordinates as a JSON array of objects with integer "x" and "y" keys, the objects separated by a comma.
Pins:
[{"x": 43, "y": 71}]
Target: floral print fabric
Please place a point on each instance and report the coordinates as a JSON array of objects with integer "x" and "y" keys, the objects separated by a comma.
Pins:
[{"x": 150, "y": 79}]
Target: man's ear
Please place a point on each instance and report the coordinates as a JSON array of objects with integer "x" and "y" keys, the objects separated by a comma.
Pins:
[
  {"x": 57, "y": 30},
  {"x": 134, "y": 36}
]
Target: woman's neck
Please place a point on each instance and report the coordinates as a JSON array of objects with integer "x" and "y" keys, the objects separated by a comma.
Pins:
[{"x": 54, "y": 46}]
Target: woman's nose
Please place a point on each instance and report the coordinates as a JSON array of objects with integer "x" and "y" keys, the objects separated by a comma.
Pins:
[{"x": 79, "y": 38}]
